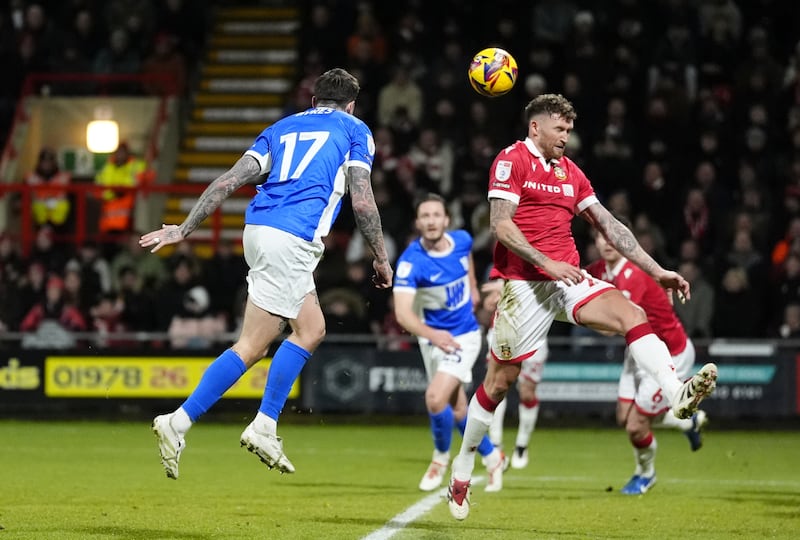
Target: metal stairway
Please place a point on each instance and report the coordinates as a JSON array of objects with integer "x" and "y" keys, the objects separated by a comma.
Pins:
[{"x": 245, "y": 79}]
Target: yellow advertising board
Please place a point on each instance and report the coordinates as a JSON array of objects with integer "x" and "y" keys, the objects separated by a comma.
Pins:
[{"x": 142, "y": 377}]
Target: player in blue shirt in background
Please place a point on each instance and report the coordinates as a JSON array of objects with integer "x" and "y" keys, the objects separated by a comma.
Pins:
[
  {"x": 303, "y": 163},
  {"x": 435, "y": 293}
]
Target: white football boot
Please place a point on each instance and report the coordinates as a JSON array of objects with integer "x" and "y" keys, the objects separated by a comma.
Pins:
[
  {"x": 268, "y": 448},
  {"x": 434, "y": 476},
  {"x": 695, "y": 390},
  {"x": 170, "y": 444}
]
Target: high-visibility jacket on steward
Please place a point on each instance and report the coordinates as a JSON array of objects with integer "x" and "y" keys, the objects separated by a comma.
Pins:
[{"x": 117, "y": 207}]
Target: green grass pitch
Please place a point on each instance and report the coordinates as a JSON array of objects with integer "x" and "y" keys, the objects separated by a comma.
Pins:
[{"x": 99, "y": 480}]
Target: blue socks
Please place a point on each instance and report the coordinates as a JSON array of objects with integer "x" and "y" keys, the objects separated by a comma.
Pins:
[
  {"x": 286, "y": 366},
  {"x": 220, "y": 375},
  {"x": 442, "y": 429},
  {"x": 485, "y": 447}
]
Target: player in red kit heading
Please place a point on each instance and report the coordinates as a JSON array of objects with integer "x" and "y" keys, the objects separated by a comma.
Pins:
[
  {"x": 640, "y": 399},
  {"x": 534, "y": 193}
]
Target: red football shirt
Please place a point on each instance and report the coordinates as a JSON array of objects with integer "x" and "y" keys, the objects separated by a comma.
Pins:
[
  {"x": 643, "y": 290},
  {"x": 548, "y": 195}
]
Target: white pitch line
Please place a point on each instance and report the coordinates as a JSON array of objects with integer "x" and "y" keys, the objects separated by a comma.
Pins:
[{"x": 411, "y": 514}]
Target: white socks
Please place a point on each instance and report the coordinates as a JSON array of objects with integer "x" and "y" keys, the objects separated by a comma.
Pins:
[
  {"x": 527, "y": 423},
  {"x": 671, "y": 421},
  {"x": 180, "y": 421},
  {"x": 478, "y": 421},
  {"x": 264, "y": 424},
  {"x": 646, "y": 459},
  {"x": 496, "y": 427},
  {"x": 652, "y": 354}
]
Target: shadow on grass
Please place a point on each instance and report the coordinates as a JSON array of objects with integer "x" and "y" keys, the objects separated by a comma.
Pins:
[{"x": 135, "y": 533}]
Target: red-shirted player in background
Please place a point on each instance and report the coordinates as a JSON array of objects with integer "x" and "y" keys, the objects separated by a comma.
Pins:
[
  {"x": 640, "y": 399},
  {"x": 534, "y": 193}
]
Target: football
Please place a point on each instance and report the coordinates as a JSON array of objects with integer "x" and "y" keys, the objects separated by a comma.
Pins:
[{"x": 493, "y": 72}]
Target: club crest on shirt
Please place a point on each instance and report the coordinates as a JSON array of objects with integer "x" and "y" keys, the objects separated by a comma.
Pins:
[
  {"x": 503, "y": 170},
  {"x": 505, "y": 351},
  {"x": 560, "y": 173},
  {"x": 403, "y": 269}
]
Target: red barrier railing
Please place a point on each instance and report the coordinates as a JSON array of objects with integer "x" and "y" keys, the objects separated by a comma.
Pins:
[{"x": 82, "y": 196}]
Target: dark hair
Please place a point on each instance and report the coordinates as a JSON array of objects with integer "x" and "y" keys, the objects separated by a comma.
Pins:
[
  {"x": 336, "y": 86},
  {"x": 431, "y": 197},
  {"x": 551, "y": 104}
]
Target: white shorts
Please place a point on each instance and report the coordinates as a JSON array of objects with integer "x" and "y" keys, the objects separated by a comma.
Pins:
[
  {"x": 458, "y": 364},
  {"x": 527, "y": 309},
  {"x": 638, "y": 387},
  {"x": 281, "y": 269},
  {"x": 532, "y": 367}
]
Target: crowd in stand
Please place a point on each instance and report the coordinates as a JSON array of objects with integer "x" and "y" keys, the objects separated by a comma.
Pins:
[
  {"x": 688, "y": 124},
  {"x": 114, "y": 37}
]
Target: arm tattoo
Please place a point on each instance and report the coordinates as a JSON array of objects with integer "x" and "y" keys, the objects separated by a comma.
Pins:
[
  {"x": 506, "y": 231},
  {"x": 366, "y": 211},
  {"x": 619, "y": 236},
  {"x": 243, "y": 171}
]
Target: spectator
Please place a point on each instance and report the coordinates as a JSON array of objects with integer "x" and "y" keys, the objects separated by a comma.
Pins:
[
  {"x": 171, "y": 294},
  {"x": 224, "y": 274},
  {"x": 194, "y": 326},
  {"x": 94, "y": 269},
  {"x": 164, "y": 60},
  {"x": 31, "y": 290},
  {"x": 122, "y": 170},
  {"x": 51, "y": 254},
  {"x": 790, "y": 327},
  {"x": 75, "y": 294},
  {"x": 148, "y": 267},
  {"x": 50, "y": 203},
  {"x": 117, "y": 57},
  {"x": 345, "y": 312},
  {"x": 735, "y": 297},
  {"x": 86, "y": 35},
  {"x": 785, "y": 288},
  {"x": 697, "y": 314},
  {"x": 106, "y": 318},
  {"x": 138, "y": 303},
  {"x": 434, "y": 163},
  {"x": 51, "y": 321},
  {"x": 400, "y": 99},
  {"x": 696, "y": 221},
  {"x": 11, "y": 264}
]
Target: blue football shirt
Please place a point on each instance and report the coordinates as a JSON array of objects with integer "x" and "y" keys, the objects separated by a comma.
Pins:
[
  {"x": 305, "y": 157},
  {"x": 440, "y": 283}
]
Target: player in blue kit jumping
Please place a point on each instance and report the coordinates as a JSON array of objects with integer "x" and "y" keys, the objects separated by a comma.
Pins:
[
  {"x": 303, "y": 163},
  {"x": 435, "y": 293}
]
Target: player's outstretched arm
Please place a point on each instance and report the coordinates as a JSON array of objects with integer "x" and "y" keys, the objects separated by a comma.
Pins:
[
  {"x": 619, "y": 236},
  {"x": 368, "y": 220},
  {"x": 501, "y": 214},
  {"x": 407, "y": 317},
  {"x": 244, "y": 171}
]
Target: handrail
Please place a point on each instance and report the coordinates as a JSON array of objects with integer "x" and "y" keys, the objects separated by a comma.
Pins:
[{"x": 82, "y": 193}]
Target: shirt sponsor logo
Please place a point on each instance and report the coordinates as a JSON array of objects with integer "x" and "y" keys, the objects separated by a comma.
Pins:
[
  {"x": 503, "y": 170},
  {"x": 503, "y": 185},
  {"x": 568, "y": 190},
  {"x": 538, "y": 186}
]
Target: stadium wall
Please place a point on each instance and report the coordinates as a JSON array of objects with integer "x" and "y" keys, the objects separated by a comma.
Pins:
[{"x": 756, "y": 380}]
